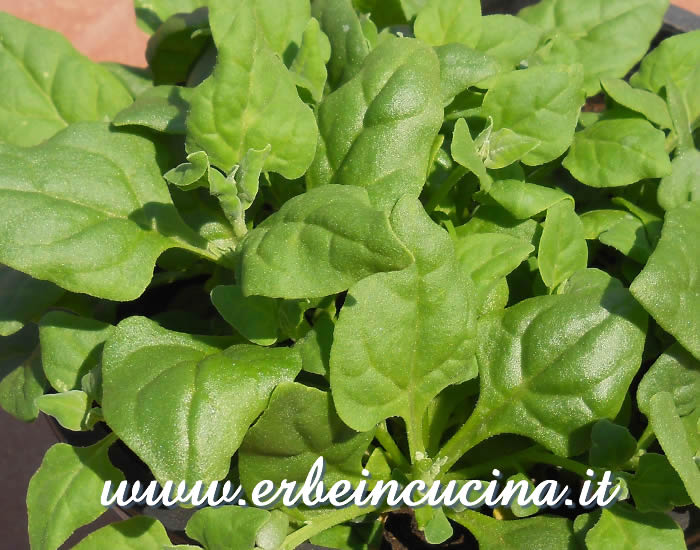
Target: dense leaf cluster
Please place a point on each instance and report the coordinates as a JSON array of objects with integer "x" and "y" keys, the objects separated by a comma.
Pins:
[{"x": 396, "y": 234}]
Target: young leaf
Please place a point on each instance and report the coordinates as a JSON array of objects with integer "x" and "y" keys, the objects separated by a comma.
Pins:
[
  {"x": 71, "y": 346},
  {"x": 349, "y": 47},
  {"x": 22, "y": 298},
  {"x": 508, "y": 39},
  {"x": 150, "y": 14},
  {"x": 315, "y": 348},
  {"x": 251, "y": 100},
  {"x": 190, "y": 174},
  {"x": 464, "y": 152},
  {"x": 22, "y": 379},
  {"x": 64, "y": 492},
  {"x": 607, "y": 36},
  {"x": 394, "y": 100},
  {"x": 209, "y": 390},
  {"x": 274, "y": 449},
  {"x": 542, "y": 103},
  {"x": 446, "y": 21},
  {"x": 623, "y": 527},
  {"x": 101, "y": 240},
  {"x": 682, "y": 185},
  {"x": 676, "y": 442},
  {"x": 163, "y": 109},
  {"x": 611, "y": 445},
  {"x": 669, "y": 285},
  {"x": 392, "y": 361},
  {"x": 563, "y": 249},
  {"x": 138, "y": 533},
  {"x": 334, "y": 255},
  {"x": 254, "y": 317},
  {"x": 309, "y": 65},
  {"x": 227, "y": 527},
  {"x": 136, "y": 79},
  {"x": 524, "y": 200},
  {"x": 656, "y": 487},
  {"x": 614, "y": 153},
  {"x": 70, "y": 408},
  {"x": 462, "y": 67},
  {"x": 650, "y": 105},
  {"x": 538, "y": 532},
  {"x": 41, "y": 72},
  {"x": 504, "y": 147}
]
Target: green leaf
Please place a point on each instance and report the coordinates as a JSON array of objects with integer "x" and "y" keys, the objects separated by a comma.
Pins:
[
  {"x": 669, "y": 285},
  {"x": 309, "y": 65},
  {"x": 176, "y": 45},
  {"x": 438, "y": 529},
  {"x": 70, "y": 408},
  {"x": 524, "y": 200},
  {"x": 251, "y": 100},
  {"x": 508, "y": 39},
  {"x": 623, "y": 527},
  {"x": 191, "y": 174},
  {"x": 71, "y": 346},
  {"x": 392, "y": 361},
  {"x": 574, "y": 352},
  {"x": 276, "y": 449},
  {"x": 41, "y": 73},
  {"x": 349, "y": 47},
  {"x": 656, "y": 486},
  {"x": 518, "y": 510},
  {"x": 677, "y": 60},
  {"x": 611, "y": 445},
  {"x": 394, "y": 100},
  {"x": 254, "y": 317},
  {"x": 682, "y": 185},
  {"x": 629, "y": 236},
  {"x": 315, "y": 348},
  {"x": 504, "y": 147},
  {"x": 136, "y": 79},
  {"x": 150, "y": 14},
  {"x": 607, "y": 36},
  {"x": 209, "y": 390},
  {"x": 163, "y": 108},
  {"x": 138, "y": 533},
  {"x": 464, "y": 152},
  {"x": 679, "y": 446},
  {"x": 542, "y": 103},
  {"x": 333, "y": 255},
  {"x": 597, "y": 222},
  {"x": 563, "y": 249},
  {"x": 64, "y": 492},
  {"x": 22, "y": 378},
  {"x": 538, "y": 532},
  {"x": 614, "y": 153},
  {"x": 101, "y": 240},
  {"x": 227, "y": 527},
  {"x": 650, "y": 105},
  {"x": 446, "y": 21},
  {"x": 272, "y": 534},
  {"x": 462, "y": 67},
  {"x": 22, "y": 298}
]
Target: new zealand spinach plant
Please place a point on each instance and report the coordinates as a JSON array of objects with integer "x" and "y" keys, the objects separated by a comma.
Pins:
[{"x": 392, "y": 233}]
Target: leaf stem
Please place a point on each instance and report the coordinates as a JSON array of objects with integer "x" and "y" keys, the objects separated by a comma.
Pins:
[
  {"x": 473, "y": 432},
  {"x": 646, "y": 439},
  {"x": 392, "y": 449},
  {"x": 453, "y": 179},
  {"x": 322, "y": 523}
]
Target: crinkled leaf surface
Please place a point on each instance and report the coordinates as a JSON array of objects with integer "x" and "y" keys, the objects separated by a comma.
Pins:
[
  {"x": 682, "y": 185},
  {"x": 138, "y": 533},
  {"x": 64, "y": 492},
  {"x": 402, "y": 337},
  {"x": 669, "y": 285},
  {"x": 227, "y": 527},
  {"x": 22, "y": 298},
  {"x": 41, "y": 72},
  {"x": 656, "y": 487},
  {"x": 332, "y": 254},
  {"x": 541, "y": 103},
  {"x": 71, "y": 346},
  {"x": 22, "y": 379},
  {"x": 614, "y": 153},
  {"x": 446, "y": 21},
  {"x": 299, "y": 425},
  {"x": 165, "y": 393},
  {"x": 563, "y": 249},
  {"x": 89, "y": 211},
  {"x": 392, "y": 106},
  {"x": 607, "y": 36},
  {"x": 623, "y": 527},
  {"x": 251, "y": 100},
  {"x": 550, "y": 366},
  {"x": 163, "y": 108}
]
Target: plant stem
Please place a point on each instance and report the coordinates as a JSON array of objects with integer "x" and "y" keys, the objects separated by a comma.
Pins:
[
  {"x": 392, "y": 449},
  {"x": 473, "y": 432},
  {"x": 646, "y": 439},
  {"x": 322, "y": 523},
  {"x": 453, "y": 179}
]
